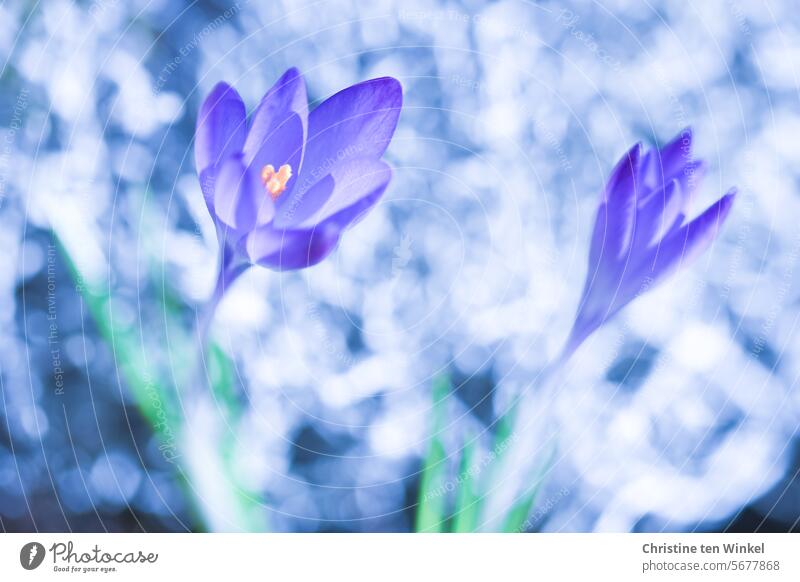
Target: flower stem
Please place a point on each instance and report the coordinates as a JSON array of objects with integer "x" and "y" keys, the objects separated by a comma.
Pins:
[
  {"x": 534, "y": 435},
  {"x": 227, "y": 273},
  {"x": 204, "y": 431}
]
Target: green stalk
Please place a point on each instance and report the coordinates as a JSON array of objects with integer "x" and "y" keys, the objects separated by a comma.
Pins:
[
  {"x": 465, "y": 517},
  {"x": 158, "y": 399},
  {"x": 432, "y": 498}
]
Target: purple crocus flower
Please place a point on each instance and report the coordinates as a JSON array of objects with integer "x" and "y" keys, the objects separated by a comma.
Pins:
[
  {"x": 283, "y": 186},
  {"x": 641, "y": 233}
]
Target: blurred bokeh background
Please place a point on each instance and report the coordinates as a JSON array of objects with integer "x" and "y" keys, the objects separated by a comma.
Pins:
[{"x": 681, "y": 414}]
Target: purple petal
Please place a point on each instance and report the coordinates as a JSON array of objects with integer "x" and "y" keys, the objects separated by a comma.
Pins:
[
  {"x": 221, "y": 128},
  {"x": 648, "y": 169},
  {"x": 208, "y": 178},
  {"x": 279, "y": 124},
  {"x": 239, "y": 196},
  {"x": 690, "y": 178},
  {"x": 676, "y": 154},
  {"x": 658, "y": 214},
  {"x": 287, "y": 250},
  {"x": 358, "y": 122},
  {"x": 659, "y": 167},
  {"x": 623, "y": 178},
  {"x": 667, "y": 179},
  {"x": 687, "y": 242},
  {"x": 611, "y": 291},
  {"x": 351, "y": 189},
  {"x": 613, "y": 226}
]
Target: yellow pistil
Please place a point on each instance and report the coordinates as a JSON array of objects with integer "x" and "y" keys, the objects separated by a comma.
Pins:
[{"x": 275, "y": 182}]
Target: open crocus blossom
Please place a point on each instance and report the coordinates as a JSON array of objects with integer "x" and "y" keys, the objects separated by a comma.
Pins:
[
  {"x": 283, "y": 186},
  {"x": 641, "y": 235}
]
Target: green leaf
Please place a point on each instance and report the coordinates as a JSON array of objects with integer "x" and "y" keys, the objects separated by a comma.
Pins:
[
  {"x": 517, "y": 516},
  {"x": 222, "y": 380},
  {"x": 502, "y": 437},
  {"x": 505, "y": 428},
  {"x": 138, "y": 370},
  {"x": 468, "y": 503},
  {"x": 432, "y": 499},
  {"x": 221, "y": 376},
  {"x": 153, "y": 374}
]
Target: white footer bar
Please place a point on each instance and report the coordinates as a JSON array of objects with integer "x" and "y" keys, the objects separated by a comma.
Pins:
[{"x": 400, "y": 557}]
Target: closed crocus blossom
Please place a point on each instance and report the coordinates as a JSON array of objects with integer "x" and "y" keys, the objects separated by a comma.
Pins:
[
  {"x": 284, "y": 185},
  {"x": 641, "y": 236},
  {"x": 641, "y": 233}
]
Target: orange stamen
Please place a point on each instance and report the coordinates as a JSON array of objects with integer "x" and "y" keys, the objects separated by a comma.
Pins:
[{"x": 275, "y": 182}]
